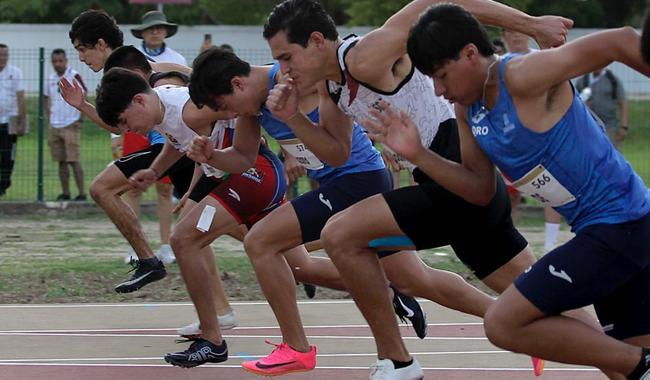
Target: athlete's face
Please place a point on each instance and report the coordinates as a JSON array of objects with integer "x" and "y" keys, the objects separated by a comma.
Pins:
[
  {"x": 138, "y": 117},
  {"x": 304, "y": 64},
  {"x": 93, "y": 56},
  {"x": 242, "y": 100},
  {"x": 458, "y": 79}
]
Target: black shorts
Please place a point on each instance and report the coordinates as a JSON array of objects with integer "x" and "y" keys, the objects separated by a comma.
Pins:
[
  {"x": 317, "y": 206},
  {"x": 204, "y": 187},
  {"x": 180, "y": 173},
  {"x": 607, "y": 265},
  {"x": 483, "y": 238}
]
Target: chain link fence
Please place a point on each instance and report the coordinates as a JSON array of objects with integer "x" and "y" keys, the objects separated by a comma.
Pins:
[{"x": 35, "y": 175}]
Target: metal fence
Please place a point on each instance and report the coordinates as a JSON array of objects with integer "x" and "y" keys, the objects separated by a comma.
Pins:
[{"x": 35, "y": 175}]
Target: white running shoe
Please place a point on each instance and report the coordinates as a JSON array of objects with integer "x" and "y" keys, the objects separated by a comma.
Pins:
[
  {"x": 130, "y": 256},
  {"x": 226, "y": 322},
  {"x": 385, "y": 370},
  {"x": 165, "y": 254}
]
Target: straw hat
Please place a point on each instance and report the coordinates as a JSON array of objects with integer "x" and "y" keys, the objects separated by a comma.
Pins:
[{"x": 151, "y": 19}]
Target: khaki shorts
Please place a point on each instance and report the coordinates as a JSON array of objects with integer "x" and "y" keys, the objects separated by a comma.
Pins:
[{"x": 64, "y": 143}]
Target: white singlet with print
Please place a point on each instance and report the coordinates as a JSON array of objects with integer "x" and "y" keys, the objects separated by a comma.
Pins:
[
  {"x": 177, "y": 132},
  {"x": 415, "y": 96}
]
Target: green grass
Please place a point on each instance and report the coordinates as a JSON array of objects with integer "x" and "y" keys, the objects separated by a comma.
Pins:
[{"x": 96, "y": 154}]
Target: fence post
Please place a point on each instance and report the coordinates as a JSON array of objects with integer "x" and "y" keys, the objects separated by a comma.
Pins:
[{"x": 41, "y": 124}]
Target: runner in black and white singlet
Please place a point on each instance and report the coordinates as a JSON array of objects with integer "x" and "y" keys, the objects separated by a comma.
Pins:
[{"x": 367, "y": 70}]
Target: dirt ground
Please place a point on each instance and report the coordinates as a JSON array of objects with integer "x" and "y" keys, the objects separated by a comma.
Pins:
[{"x": 55, "y": 257}]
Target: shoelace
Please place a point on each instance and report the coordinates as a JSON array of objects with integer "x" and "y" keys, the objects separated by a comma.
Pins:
[
  {"x": 278, "y": 351},
  {"x": 135, "y": 264}
]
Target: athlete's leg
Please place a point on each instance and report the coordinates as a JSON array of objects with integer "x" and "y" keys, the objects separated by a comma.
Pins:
[
  {"x": 106, "y": 190},
  {"x": 188, "y": 242},
  {"x": 164, "y": 210},
  {"x": 346, "y": 237},
  {"x": 265, "y": 244},
  {"x": 413, "y": 277},
  {"x": 220, "y": 298}
]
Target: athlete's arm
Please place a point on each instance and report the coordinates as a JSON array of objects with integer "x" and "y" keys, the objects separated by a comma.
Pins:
[
  {"x": 331, "y": 139},
  {"x": 161, "y": 67},
  {"x": 534, "y": 74},
  {"x": 237, "y": 158},
  {"x": 74, "y": 95},
  {"x": 473, "y": 180},
  {"x": 144, "y": 178},
  {"x": 382, "y": 47}
]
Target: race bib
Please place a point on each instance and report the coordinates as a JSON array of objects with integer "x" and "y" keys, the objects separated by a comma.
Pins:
[
  {"x": 540, "y": 184},
  {"x": 305, "y": 157}
]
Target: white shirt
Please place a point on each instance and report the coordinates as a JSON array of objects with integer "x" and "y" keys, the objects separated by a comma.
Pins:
[
  {"x": 61, "y": 113},
  {"x": 168, "y": 55},
  {"x": 11, "y": 82}
]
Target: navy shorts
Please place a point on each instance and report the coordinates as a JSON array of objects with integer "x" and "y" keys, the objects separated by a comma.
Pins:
[
  {"x": 607, "y": 265},
  {"x": 316, "y": 207},
  {"x": 180, "y": 173},
  {"x": 483, "y": 237}
]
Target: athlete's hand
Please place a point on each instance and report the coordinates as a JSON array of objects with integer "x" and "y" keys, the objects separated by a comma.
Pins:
[
  {"x": 72, "y": 93},
  {"x": 143, "y": 178},
  {"x": 551, "y": 31},
  {"x": 395, "y": 130},
  {"x": 201, "y": 149},
  {"x": 283, "y": 99},
  {"x": 181, "y": 203},
  {"x": 292, "y": 169}
]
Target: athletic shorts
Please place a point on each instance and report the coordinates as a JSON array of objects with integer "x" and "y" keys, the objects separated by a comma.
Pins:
[
  {"x": 133, "y": 142},
  {"x": 607, "y": 265},
  {"x": 180, "y": 173},
  {"x": 483, "y": 237},
  {"x": 316, "y": 207},
  {"x": 64, "y": 143},
  {"x": 251, "y": 195}
]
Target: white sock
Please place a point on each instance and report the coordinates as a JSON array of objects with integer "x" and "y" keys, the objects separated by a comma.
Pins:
[{"x": 551, "y": 231}]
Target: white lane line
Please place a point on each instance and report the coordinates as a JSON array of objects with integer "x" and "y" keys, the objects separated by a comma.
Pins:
[
  {"x": 232, "y": 336},
  {"x": 170, "y": 304},
  {"x": 236, "y": 328},
  {"x": 336, "y": 355},
  {"x": 317, "y": 367}
]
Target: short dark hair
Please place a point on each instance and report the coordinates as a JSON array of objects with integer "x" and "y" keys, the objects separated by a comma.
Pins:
[
  {"x": 128, "y": 57},
  {"x": 211, "y": 74},
  {"x": 298, "y": 19},
  {"x": 58, "y": 51},
  {"x": 4, "y": 46},
  {"x": 91, "y": 25},
  {"x": 498, "y": 42},
  {"x": 439, "y": 35},
  {"x": 645, "y": 38},
  {"x": 116, "y": 91}
]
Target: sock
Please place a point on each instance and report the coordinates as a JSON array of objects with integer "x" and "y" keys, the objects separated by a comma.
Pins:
[
  {"x": 399, "y": 365},
  {"x": 551, "y": 231},
  {"x": 643, "y": 366}
]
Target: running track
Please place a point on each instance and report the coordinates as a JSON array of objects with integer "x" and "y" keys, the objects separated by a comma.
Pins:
[{"x": 127, "y": 341}]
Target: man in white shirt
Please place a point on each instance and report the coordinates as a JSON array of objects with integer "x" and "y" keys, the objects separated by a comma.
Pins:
[
  {"x": 153, "y": 31},
  {"x": 65, "y": 125},
  {"x": 12, "y": 116}
]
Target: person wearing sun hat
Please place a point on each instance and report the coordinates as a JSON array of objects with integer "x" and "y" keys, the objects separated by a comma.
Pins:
[{"x": 153, "y": 31}]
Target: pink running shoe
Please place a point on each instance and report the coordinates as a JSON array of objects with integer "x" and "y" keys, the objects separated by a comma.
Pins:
[
  {"x": 282, "y": 360},
  {"x": 538, "y": 366}
]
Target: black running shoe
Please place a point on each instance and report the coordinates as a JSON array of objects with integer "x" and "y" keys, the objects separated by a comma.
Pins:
[
  {"x": 310, "y": 290},
  {"x": 407, "y": 307},
  {"x": 642, "y": 370},
  {"x": 146, "y": 271},
  {"x": 201, "y": 351}
]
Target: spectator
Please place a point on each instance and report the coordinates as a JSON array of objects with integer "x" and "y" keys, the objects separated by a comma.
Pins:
[
  {"x": 207, "y": 43},
  {"x": 499, "y": 46},
  {"x": 13, "y": 118},
  {"x": 153, "y": 31},
  {"x": 604, "y": 94},
  {"x": 65, "y": 126}
]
